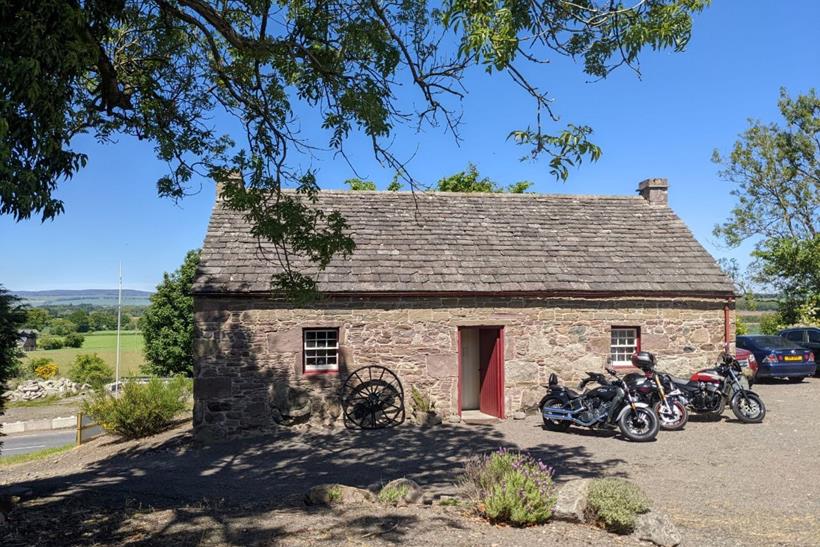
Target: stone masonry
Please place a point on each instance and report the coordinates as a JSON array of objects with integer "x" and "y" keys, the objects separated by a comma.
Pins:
[{"x": 248, "y": 372}]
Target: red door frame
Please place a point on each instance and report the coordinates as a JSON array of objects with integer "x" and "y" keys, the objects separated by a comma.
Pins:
[{"x": 501, "y": 375}]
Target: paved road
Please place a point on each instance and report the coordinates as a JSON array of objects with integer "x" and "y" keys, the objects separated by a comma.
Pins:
[{"x": 24, "y": 443}]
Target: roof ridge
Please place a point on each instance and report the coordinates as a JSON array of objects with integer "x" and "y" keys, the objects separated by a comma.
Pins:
[{"x": 340, "y": 191}]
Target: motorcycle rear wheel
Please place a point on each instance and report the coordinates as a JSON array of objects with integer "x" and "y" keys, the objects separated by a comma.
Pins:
[
  {"x": 554, "y": 425},
  {"x": 639, "y": 425},
  {"x": 675, "y": 421},
  {"x": 748, "y": 407}
]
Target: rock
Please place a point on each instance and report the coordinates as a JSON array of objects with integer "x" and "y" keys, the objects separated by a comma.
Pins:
[
  {"x": 337, "y": 494},
  {"x": 571, "y": 504},
  {"x": 427, "y": 419},
  {"x": 657, "y": 528},
  {"x": 413, "y": 492},
  {"x": 519, "y": 415},
  {"x": 453, "y": 419}
]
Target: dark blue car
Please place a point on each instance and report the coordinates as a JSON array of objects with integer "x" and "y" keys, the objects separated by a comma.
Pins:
[{"x": 778, "y": 357}]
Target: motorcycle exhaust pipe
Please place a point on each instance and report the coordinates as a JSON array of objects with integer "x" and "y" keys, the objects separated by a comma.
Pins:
[{"x": 565, "y": 415}]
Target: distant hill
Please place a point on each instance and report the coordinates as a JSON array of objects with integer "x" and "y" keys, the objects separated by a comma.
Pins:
[{"x": 94, "y": 297}]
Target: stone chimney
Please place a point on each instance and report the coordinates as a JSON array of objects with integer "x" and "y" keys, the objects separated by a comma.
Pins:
[
  {"x": 655, "y": 191},
  {"x": 220, "y": 185}
]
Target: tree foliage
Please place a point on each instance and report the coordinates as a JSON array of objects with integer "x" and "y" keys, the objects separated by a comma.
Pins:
[
  {"x": 166, "y": 71},
  {"x": 168, "y": 323},
  {"x": 469, "y": 180},
  {"x": 359, "y": 185},
  {"x": 775, "y": 169},
  {"x": 12, "y": 319}
]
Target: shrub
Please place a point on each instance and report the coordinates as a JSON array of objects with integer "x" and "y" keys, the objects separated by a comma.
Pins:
[
  {"x": 90, "y": 369},
  {"x": 50, "y": 342},
  {"x": 74, "y": 340},
  {"x": 46, "y": 371},
  {"x": 420, "y": 401},
  {"x": 141, "y": 409},
  {"x": 615, "y": 503},
  {"x": 510, "y": 487},
  {"x": 771, "y": 324},
  {"x": 392, "y": 494}
]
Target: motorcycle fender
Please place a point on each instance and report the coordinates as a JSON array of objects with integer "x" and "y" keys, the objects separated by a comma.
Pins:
[
  {"x": 555, "y": 395},
  {"x": 627, "y": 408}
]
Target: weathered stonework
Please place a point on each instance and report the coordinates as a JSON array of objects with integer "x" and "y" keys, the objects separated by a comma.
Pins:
[{"x": 248, "y": 371}]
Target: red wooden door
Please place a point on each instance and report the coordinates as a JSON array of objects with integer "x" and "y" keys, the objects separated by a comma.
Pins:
[{"x": 491, "y": 371}]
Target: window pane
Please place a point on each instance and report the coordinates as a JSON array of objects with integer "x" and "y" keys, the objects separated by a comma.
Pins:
[{"x": 321, "y": 350}]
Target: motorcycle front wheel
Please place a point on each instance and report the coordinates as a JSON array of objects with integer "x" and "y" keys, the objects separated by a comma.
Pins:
[
  {"x": 748, "y": 407},
  {"x": 673, "y": 417},
  {"x": 639, "y": 425},
  {"x": 554, "y": 425}
]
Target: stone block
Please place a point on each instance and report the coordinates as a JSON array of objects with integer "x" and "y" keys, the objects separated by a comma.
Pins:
[
  {"x": 657, "y": 528},
  {"x": 64, "y": 422},
  {"x": 218, "y": 387},
  {"x": 37, "y": 425},
  {"x": 443, "y": 365},
  {"x": 12, "y": 427},
  {"x": 285, "y": 341},
  {"x": 571, "y": 504}
]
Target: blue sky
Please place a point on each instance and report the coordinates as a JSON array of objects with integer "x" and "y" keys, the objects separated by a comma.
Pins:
[{"x": 665, "y": 124}]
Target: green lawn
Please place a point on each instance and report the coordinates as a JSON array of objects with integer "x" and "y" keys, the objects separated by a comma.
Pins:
[{"x": 104, "y": 344}]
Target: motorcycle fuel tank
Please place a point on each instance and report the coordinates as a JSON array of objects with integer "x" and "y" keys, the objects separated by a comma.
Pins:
[{"x": 706, "y": 375}]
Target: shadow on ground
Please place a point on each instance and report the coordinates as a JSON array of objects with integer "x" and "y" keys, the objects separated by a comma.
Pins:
[{"x": 235, "y": 481}]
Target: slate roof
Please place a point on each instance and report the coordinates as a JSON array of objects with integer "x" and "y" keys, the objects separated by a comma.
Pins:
[{"x": 443, "y": 242}]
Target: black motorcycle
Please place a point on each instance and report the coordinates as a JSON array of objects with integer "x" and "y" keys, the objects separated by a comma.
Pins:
[
  {"x": 657, "y": 390},
  {"x": 601, "y": 407},
  {"x": 709, "y": 390}
]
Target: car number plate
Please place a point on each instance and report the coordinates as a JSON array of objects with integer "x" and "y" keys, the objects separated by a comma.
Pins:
[{"x": 793, "y": 358}]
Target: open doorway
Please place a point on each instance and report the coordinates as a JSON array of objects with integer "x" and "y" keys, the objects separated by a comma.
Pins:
[{"x": 481, "y": 370}]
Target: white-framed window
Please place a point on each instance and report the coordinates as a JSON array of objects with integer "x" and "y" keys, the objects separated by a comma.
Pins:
[
  {"x": 624, "y": 342},
  {"x": 321, "y": 350}
]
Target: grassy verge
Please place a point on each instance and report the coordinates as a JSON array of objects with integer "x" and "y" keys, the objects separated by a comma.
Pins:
[
  {"x": 45, "y": 401},
  {"x": 32, "y": 456}
]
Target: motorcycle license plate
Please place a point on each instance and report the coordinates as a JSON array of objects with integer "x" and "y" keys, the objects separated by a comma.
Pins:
[{"x": 793, "y": 358}]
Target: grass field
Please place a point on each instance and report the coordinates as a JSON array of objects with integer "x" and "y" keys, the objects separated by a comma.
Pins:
[{"x": 104, "y": 344}]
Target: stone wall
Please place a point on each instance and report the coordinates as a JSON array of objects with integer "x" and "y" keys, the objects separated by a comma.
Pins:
[{"x": 248, "y": 372}]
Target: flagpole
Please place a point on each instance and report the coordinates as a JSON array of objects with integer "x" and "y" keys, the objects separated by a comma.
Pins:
[{"x": 119, "y": 324}]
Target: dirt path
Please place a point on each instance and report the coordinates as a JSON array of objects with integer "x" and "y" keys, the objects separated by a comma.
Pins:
[
  {"x": 61, "y": 408},
  {"x": 724, "y": 483}
]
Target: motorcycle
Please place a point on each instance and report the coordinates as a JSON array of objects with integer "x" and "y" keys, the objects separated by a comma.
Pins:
[
  {"x": 708, "y": 391},
  {"x": 657, "y": 390},
  {"x": 601, "y": 407}
]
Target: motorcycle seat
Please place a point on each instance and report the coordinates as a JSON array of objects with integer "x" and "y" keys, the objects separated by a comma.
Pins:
[
  {"x": 571, "y": 393},
  {"x": 684, "y": 381}
]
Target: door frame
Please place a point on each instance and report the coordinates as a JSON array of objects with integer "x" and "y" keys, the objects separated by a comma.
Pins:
[{"x": 501, "y": 369}]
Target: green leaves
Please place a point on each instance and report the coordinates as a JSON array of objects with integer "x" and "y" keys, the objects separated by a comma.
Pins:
[
  {"x": 164, "y": 70},
  {"x": 168, "y": 323},
  {"x": 470, "y": 181},
  {"x": 775, "y": 170}
]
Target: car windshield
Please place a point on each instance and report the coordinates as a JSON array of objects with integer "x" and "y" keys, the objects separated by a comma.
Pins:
[{"x": 773, "y": 342}]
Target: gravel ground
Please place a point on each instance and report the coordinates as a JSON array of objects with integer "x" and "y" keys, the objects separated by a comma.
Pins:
[{"x": 723, "y": 483}]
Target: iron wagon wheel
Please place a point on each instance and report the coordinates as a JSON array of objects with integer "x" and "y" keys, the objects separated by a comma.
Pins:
[{"x": 373, "y": 398}]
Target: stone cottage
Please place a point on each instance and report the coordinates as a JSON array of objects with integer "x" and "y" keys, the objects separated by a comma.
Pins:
[{"x": 473, "y": 298}]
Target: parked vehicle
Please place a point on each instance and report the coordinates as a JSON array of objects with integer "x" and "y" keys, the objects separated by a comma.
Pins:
[
  {"x": 601, "y": 407},
  {"x": 778, "y": 357},
  {"x": 808, "y": 337},
  {"x": 657, "y": 390},
  {"x": 747, "y": 361},
  {"x": 708, "y": 391}
]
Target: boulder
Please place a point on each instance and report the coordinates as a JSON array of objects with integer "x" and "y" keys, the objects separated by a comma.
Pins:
[
  {"x": 657, "y": 528},
  {"x": 413, "y": 492},
  {"x": 520, "y": 415},
  {"x": 571, "y": 504},
  {"x": 337, "y": 494}
]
